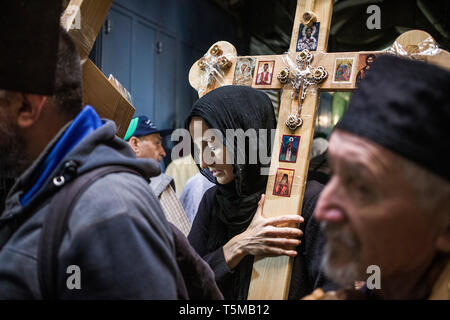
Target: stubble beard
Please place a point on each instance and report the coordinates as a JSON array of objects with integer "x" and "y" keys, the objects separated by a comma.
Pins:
[
  {"x": 342, "y": 259},
  {"x": 13, "y": 159}
]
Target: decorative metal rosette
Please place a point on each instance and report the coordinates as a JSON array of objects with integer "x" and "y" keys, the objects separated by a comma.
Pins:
[
  {"x": 318, "y": 74},
  {"x": 224, "y": 63},
  {"x": 304, "y": 57},
  {"x": 214, "y": 60},
  {"x": 202, "y": 64},
  {"x": 216, "y": 50},
  {"x": 283, "y": 76},
  {"x": 309, "y": 18},
  {"x": 293, "y": 122}
]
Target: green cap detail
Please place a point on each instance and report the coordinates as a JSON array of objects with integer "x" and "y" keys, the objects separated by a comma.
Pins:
[{"x": 131, "y": 128}]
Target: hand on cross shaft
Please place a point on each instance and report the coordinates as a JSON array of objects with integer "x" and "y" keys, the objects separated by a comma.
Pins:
[{"x": 264, "y": 237}]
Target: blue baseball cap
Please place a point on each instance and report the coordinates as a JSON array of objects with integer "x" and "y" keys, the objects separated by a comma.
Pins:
[{"x": 142, "y": 126}]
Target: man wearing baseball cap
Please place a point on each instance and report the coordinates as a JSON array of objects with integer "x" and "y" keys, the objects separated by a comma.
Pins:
[
  {"x": 386, "y": 209},
  {"x": 146, "y": 141}
]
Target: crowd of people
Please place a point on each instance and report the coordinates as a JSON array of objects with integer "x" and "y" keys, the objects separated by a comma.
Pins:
[{"x": 378, "y": 196}]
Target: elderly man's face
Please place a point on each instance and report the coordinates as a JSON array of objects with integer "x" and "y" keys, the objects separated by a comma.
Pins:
[
  {"x": 149, "y": 146},
  {"x": 370, "y": 214}
]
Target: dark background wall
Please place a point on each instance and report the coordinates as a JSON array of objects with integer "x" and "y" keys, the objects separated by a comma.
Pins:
[{"x": 150, "y": 45}]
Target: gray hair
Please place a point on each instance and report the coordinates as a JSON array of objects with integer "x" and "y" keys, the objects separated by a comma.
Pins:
[{"x": 433, "y": 192}]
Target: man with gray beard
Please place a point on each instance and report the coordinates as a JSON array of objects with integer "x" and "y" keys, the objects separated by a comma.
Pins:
[{"x": 386, "y": 209}]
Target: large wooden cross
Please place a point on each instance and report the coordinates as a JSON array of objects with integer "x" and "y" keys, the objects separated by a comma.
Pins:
[
  {"x": 83, "y": 20},
  {"x": 300, "y": 74}
]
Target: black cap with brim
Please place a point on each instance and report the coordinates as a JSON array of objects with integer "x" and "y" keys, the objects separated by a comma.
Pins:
[
  {"x": 29, "y": 32},
  {"x": 404, "y": 106}
]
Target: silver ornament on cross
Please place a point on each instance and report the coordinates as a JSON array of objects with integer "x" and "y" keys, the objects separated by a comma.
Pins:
[{"x": 301, "y": 77}]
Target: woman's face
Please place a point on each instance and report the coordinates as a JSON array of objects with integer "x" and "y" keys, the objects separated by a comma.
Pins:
[{"x": 213, "y": 154}]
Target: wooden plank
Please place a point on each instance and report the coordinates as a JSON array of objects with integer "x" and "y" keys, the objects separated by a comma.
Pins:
[
  {"x": 271, "y": 276},
  {"x": 325, "y": 60},
  {"x": 278, "y": 66},
  {"x": 323, "y": 10},
  {"x": 197, "y": 76},
  {"x": 328, "y": 61},
  {"x": 105, "y": 98},
  {"x": 91, "y": 15},
  {"x": 416, "y": 41}
]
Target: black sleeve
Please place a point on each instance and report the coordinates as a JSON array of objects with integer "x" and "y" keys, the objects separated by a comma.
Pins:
[
  {"x": 119, "y": 258},
  {"x": 199, "y": 236},
  {"x": 197, "y": 274}
]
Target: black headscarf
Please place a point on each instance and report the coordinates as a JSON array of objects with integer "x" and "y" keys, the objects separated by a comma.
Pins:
[{"x": 238, "y": 107}]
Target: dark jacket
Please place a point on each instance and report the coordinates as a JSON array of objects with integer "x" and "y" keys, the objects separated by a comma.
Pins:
[
  {"x": 198, "y": 277},
  {"x": 117, "y": 233},
  {"x": 306, "y": 273}
]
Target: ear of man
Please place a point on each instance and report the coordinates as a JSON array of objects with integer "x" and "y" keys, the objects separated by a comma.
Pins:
[
  {"x": 134, "y": 143},
  {"x": 29, "y": 112},
  {"x": 34, "y": 118}
]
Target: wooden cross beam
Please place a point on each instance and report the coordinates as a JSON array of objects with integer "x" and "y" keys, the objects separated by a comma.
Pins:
[
  {"x": 221, "y": 66},
  {"x": 83, "y": 20}
]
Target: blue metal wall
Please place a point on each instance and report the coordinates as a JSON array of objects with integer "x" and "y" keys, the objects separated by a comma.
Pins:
[{"x": 150, "y": 45}]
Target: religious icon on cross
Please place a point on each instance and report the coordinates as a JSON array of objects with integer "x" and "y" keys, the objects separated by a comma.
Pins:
[{"x": 309, "y": 37}]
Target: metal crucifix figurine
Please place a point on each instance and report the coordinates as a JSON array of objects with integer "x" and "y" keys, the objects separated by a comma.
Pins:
[{"x": 301, "y": 77}]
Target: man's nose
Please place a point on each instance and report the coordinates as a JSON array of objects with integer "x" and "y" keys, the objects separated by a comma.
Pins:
[
  {"x": 163, "y": 152},
  {"x": 328, "y": 206}
]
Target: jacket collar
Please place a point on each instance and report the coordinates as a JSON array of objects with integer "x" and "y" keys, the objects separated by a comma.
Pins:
[
  {"x": 86, "y": 122},
  {"x": 160, "y": 183}
]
